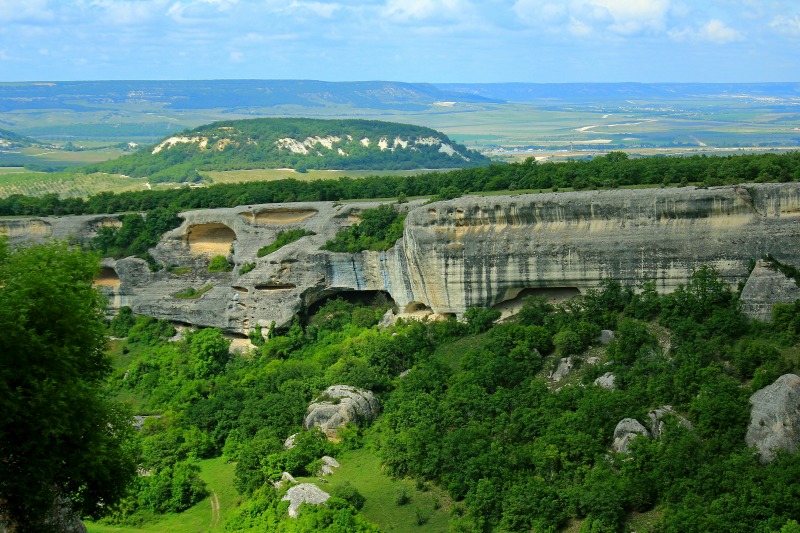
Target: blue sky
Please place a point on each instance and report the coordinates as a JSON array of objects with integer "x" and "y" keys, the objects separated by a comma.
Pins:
[{"x": 402, "y": 40}]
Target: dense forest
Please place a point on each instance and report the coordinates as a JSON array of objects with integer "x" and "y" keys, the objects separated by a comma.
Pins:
[
  {"x": 260, "y": 143},
  {"x": 612, "y": 170},
  {"x": 477, "y": 415}
]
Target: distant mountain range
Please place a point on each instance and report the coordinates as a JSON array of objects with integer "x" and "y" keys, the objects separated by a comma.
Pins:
[
  {"x": 296, "y": 143},
  {"x": 232, "y": 95}
]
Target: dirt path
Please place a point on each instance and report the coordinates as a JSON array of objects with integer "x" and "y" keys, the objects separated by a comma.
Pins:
[{"x": 214, "y": 512}]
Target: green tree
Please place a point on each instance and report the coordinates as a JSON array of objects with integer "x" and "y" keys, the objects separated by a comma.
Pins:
[{"x": 59, "y": 435}]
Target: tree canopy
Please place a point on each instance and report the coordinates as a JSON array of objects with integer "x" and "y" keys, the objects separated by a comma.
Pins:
[{"x": 59, "y": 435}]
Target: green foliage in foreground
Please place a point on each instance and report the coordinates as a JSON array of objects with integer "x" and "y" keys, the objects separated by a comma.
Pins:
[
  {"x": 282, "y": 239},
  {"x": 475, "y": 415},
  {"x": 378, "y": 230},
  {"x": 59, "y": 433}
]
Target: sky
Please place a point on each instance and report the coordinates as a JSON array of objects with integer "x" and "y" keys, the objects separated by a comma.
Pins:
[{"x": 437, "y": 41}]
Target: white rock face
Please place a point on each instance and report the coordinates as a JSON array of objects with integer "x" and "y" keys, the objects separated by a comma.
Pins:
[
  {"x": 563, "y": 369},
  {"x": 327, "y": 466},
  {"x": 607, "y": 381},
  {"x": 286, "y": 479},
  {"x": 304, "y": 493},
  {"x": 775, "y": 417},
  {"x": 627, "y": 429},
  {"x": 339, "y": 405}
]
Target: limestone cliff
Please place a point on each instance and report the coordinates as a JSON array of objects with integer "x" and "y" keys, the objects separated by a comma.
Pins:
[{"x": 473, "y": 251}]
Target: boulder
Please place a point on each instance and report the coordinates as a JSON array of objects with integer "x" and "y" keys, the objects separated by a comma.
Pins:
[
  {"x": 775, "y": 417},
  {"x": 607, "y": 381},
  {"x": 627, "y": 429},
  {"x": 562, "y": 370},
  {"x": 340, "y": 405},
  {"x": 286, "y": 479},
  {"x": 327, "y": 464},
  {"x": 606, "y": 336},
  {"x": 288, "y": 444},
  {"x": 765, "y": 287},
  {"x": 304, "y": 493},
  {"x": 657, "y": 417}
]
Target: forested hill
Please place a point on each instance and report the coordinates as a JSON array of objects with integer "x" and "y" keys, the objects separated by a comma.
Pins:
[
  {"x": 294, "y": 143},
  {"x": 9, "y": 139}
]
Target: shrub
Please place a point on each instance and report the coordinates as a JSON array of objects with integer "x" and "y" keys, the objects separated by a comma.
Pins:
[
  {"x": 349, "y": 494},
  {"x": 219, "y": 263},
  {"x": 282, "y": 239},
  {"x": 245, "y": 268}
]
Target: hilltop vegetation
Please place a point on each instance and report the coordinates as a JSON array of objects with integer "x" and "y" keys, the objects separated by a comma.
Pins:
[
  {"x": 612, "y": 170},
  {"x": 292, "y": 143}
]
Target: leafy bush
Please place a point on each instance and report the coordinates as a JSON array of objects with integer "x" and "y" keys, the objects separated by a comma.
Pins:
[
  {"x": 219, "y": 263},
  {"x": 245, "y": 268},
  {"x": 378, "y": 230},
  {"x": 191, "y": 293},
  {"x": 282, "y": 239},
  {"x": 349, "y": 494}
]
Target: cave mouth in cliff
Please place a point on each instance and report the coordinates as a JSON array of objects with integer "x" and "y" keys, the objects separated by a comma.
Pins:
[
  {"x": 359, "y": 298},
  {"x": 210, "y": 239},
  {"x": 515, "y": 298},
  {"x": 271, "y": 287},
  {"x": 107, "y": 278},
  {"x": 279, "y": 216},
  {"x": 417, "y": 309}
]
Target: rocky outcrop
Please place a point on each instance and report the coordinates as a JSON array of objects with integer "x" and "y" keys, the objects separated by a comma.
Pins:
[
  {"x": 340, "y": 405},
  {"x": 286, "y": 479},
  {"x": 304, "y": 493},
  {"x": 327, "y": 464},
  {"x": 607, "y": 381},
  {"x": 472, "y": 251},
  {"x": 562, "y": 370},
  {"x": 627, "y": 429},
  {"x": 775, "y": 417},
  {"x": 765, "y": 287},
  {"x": 657, "y": 420}
]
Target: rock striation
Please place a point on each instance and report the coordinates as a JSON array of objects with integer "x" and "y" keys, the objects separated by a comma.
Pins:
[
  {"x": 471, "y": 251},
  {"x": 775, "y": 417},
  {"x": 765, "y": 287},
  {"x": 340, "y": 405}
]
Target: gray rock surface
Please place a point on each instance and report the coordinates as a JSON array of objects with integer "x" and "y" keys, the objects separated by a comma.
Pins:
[
  {"x": 627, "y": 429},
  {"x": 657, "y": 417},
  {"x": 562, "y": 370},
  {"x": 471, "y": 251},
  {"x": 765, "y": 287},
  {"x": 327, "y": 464},
  {"x": 606, "y": 336},
  {"x": 775, "y": 417},
  {"x": 607, "y": 381},
  {"x": 339, "y": 405},
  {"x": 304, "y": 493},
  {"x": 286, "y": 479}
]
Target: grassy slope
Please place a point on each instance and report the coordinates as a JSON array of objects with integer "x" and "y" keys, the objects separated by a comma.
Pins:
[
  {"x": 218, "y": 475},
  {"x": 362, "y": 469}
]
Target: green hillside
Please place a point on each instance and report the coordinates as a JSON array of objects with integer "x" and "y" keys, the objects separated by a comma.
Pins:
[{"x": 293, "y": 143}]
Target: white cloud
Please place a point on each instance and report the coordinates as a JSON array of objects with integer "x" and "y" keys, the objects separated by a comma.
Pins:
[
  {"x": 409, "y": 10},
  {"x": 714, "y": 31},
  {"x": 321, "y": 9},
  {"x": 38, "y": 10},
  {"x": 128, "y": 12},
  {"x": 582, "y": 17},
  {"x": 790, "y": 25}
]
